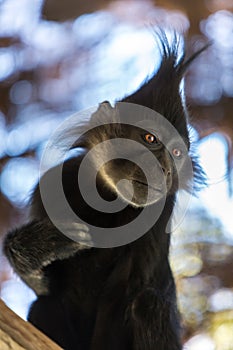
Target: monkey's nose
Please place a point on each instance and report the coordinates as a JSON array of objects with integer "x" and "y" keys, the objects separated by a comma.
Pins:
[{"x": 167, "y": 172}]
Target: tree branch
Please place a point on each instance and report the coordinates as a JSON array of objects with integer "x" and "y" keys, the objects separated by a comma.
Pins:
[{"x": 17, "y": 334}]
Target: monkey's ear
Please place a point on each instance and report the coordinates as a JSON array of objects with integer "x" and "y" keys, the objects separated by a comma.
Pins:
[{"x": 105, "y": 114}]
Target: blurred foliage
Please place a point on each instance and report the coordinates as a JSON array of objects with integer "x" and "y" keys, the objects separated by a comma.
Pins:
[
  {"x": 77, "y": 58},
  {"x": 202, "y": 261}
]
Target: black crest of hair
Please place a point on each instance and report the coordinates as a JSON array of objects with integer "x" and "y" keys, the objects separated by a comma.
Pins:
[
  {"x": 162, "y": 93},
  {"x": 109, "y": 298}
]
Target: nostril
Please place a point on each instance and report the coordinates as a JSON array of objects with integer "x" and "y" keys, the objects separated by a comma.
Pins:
[{"x": 166, "y": 172}]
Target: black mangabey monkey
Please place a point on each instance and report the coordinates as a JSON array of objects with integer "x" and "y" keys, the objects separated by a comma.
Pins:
[{"x": 117, "y": 298}]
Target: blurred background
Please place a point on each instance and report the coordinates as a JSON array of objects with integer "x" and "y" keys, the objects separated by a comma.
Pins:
[{"x": 61, "y": 56}]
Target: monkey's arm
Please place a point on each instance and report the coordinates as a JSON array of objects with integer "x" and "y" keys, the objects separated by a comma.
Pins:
[
  {"x": 35, "y": 245},
  {"x": 155, "y": 320}
]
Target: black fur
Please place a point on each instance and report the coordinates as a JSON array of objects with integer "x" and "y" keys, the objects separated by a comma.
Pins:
[{"x": 120, "y": 298}]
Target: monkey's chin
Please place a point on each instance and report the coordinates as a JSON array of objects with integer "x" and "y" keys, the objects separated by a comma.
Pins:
[
  {"x": 143, "y": 196},
  {"x": 140, "y": 202}
]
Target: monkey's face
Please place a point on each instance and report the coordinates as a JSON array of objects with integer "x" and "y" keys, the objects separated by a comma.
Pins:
[{"x": 140, "y": 169}]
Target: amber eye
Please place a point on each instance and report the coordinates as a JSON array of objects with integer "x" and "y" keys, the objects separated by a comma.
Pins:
[
  {"x": 150, "y": 138},
  {"x": 176, "y": 152}
]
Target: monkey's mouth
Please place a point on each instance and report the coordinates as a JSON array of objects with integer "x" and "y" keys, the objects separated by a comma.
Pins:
[{"x": 148, "y": 186}]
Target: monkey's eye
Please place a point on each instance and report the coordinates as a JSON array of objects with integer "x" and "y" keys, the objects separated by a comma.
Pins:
[
  {"x": 176, "y": 152},
  {"x": 150, "y": 139}
]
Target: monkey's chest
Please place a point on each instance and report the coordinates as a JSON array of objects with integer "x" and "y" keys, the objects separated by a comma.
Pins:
[
  {"x": 87, "y": 285},
  {"x": 83, "y": 277}
]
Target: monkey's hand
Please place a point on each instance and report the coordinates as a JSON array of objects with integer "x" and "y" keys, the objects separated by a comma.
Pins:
[{"x": 37, "y": 244}]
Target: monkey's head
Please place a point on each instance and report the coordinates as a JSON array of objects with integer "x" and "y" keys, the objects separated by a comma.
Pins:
[
  {"x": 140, "y": 147},
  {"x": 137, "y": 154}
]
